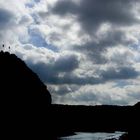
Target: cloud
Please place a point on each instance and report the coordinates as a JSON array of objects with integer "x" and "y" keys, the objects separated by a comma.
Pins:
[
  {"x": 102, "y": 25},
  {"x": 7, "y": 22},
  {"x": 14, "y": 20},
  {"x": 6, "y": 18},
  {"x": 92, "y": 13},
  {"x": 121, "y": 56},
  {"x": 119, "y": 73},
  {"x": 107, "y": 93},
  {"x": 66, "y": 63},
  {"x": 62, "y": 71},
  {"x": 54, "y": 71},
  {"x": 62, "y": 90}
]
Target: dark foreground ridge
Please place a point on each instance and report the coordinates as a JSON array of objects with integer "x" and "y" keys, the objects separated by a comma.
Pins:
[
  {"x": 27, "y": 112},
  {"x": 24, "y": 98},
  {"x": 104, "y": 118}
]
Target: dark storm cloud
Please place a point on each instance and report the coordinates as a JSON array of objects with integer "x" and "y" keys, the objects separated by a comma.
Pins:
[
  {"x": 110, "y": 74},
  {"x": 66, "y": 64},
  {"x": 6, "y": 19},
  {"x": 119, "y": 73},
  {"x": 92, "y": 13},
  {"x": 64, "y": 7},
  {"x": 44, "y": 71},
  {"x": 95, "y": 50},
  {"x": 112, "y": 38},
  {"x": 61, "y": 72},
  {"x": 50, "y": 72}
]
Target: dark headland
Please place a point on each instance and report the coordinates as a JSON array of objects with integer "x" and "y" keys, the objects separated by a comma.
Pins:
[{"x": 27, "y": 112}]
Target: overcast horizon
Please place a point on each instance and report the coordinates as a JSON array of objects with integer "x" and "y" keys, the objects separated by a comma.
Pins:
[{"x": 87, "y": 52}]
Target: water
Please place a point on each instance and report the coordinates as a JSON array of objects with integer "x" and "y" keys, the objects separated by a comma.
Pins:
[{"x": 93, "y": 136}]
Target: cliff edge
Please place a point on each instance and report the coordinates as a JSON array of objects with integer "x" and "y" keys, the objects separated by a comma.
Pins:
[{"x": 20, "y": 84}]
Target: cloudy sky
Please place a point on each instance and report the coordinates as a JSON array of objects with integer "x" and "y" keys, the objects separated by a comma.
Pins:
[{"x": 85, "y": 51}]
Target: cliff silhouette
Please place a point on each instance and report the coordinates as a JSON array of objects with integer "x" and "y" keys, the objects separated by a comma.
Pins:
[
  {"x": 18, "y": 82},
  {"x": 24, "y": 99}
]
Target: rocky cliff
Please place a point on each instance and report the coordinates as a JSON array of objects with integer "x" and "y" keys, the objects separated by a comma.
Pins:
[
  {"x": 25, "y": 100},
  {"x": 18, "y": 83}
]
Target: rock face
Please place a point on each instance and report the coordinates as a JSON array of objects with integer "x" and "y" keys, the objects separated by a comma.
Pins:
[
  {"x": 18, "y": 82},
  {"x": 25, "y": 100}
]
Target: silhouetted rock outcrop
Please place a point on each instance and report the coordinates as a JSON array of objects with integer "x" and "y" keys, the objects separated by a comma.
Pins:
[
  {"x": 18, "y": 82},
  {"x": 25, "y": 100}
]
